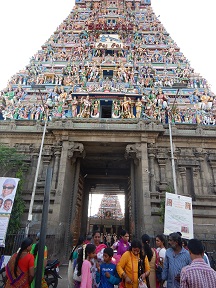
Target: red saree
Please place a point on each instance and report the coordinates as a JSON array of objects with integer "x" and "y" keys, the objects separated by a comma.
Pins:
[{"x": 22, "y": 279}]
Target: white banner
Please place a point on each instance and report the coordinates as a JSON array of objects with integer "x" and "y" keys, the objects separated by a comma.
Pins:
[
  {"x": 8, "y": 188},
  {"x": 178, "y": 215}
]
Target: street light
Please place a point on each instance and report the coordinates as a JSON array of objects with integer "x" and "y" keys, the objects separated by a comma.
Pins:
[{"x": 29, "y": 219}]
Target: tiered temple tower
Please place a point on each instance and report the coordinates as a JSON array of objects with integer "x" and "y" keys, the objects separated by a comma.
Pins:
[
  {"x": 108, "y": 81},
  {"x": 113, "y": 50}
]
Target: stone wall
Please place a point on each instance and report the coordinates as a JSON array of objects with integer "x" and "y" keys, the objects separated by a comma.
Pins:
[{"x": 147, "y": 146}]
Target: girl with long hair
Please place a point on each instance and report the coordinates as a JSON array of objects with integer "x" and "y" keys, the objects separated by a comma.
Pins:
[
  {"x": 160, "y": 243},
  {"x": 73, "y": 259},
  {"x": 152, "y": 257},
  {"x": 84, "y": 265}
]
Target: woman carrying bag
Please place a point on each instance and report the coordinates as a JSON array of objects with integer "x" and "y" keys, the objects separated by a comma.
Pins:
[{"x": 133, "y": 266}]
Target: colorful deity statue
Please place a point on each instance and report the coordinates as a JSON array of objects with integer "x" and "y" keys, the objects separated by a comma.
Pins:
[
  {"x": 138, "y": 106},
  {"x": 126, "y": 108},
  {"x": 161, "y": 99},
  {"x": 95, "y": 112},
  {"x": 74, "y": 104},
  {"x": 116, "y": 109},
  {"x": 206, "y": 101},
  {"x": 85, "y": 107}
]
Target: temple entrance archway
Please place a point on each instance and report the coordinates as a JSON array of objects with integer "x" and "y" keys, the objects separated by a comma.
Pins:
[
  {"x": 103, "y": 171},
  {"x": 106, "y": 165}
]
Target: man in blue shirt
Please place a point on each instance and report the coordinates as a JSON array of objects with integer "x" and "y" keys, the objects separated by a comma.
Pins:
[{"x": 176, "y": 258}]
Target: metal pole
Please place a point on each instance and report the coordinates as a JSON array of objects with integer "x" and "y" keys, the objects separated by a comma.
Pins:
[
  {"x": 35, "y": 181},
  {"x": 43, "y": 229},
  {"x": 172, "y": 157},
  {"x": 171, "y": 145},
  {"x": 29, "y": 219}
]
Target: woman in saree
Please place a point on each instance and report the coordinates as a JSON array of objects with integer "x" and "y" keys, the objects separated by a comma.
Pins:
[{"x": 20, "y": 268}]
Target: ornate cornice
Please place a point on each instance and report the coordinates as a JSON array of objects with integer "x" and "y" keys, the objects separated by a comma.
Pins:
[
  {"x": 76, "y": 149},
  {"x": 133, "y": 151}
]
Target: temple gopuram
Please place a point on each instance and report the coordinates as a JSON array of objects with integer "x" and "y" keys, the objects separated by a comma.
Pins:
[
  {"x": 110, "y": 84},
  {"x": 109, "y": 218}
]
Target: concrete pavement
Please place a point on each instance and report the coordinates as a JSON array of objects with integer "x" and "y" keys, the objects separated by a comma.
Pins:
[{"x": 63, "y": 269}]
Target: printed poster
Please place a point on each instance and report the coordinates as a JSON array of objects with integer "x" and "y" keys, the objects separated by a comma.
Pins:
[
  {"x": 178, "y": 215},
  {"x": 8, "y": 187}
]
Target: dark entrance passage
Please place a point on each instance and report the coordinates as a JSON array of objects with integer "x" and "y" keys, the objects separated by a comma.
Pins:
[
  {"x": 106, "y": 108},
  {"x": 108, "y": 74},
  {"x": 106, "y": 174}
]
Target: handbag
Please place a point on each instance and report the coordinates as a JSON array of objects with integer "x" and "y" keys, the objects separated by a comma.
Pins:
[
  {"x": 141, "y": 269},
  {"x": 75, "y": 276},
  {"x": 158, "y": 268},
  {"x": 122, "y": 284},
  {"x": 142, "y": 284}
]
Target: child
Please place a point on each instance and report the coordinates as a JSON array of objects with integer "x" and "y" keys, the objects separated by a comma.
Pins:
[
  {"x": 7, "y": 205},
  {"x": 107, "y": 274},
  {"x": 84, "y": 265}
]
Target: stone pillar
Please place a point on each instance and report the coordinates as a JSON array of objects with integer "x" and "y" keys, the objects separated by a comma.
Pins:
[
  {"x": 197, "y": 184},
  {"x": 127, "y": 220},
  {"x": 161, "y": 158},
  {"x": 142, "y": 201},
  {"x": 201, "y": 156},
  {"x": 75, "y": 151},
  {"x": 46, "y": 159},
  {"x": 134, "y": 220},
  {"x": 57, "y": 154},
  {"x": 182, "y": 171},
  {"x": 151, "y": 156},
  {"x": 64, "y": 196},
  {"x": 74, "y": 194},
  {"x": 212, "y": 162},
  {"x": 33, "y": 170},
  {"x": 85, "y": 200}
]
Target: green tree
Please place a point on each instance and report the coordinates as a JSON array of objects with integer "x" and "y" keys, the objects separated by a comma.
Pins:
[
  {"x": 11, "y": 160},
  {"x": 13, "y": 164}
]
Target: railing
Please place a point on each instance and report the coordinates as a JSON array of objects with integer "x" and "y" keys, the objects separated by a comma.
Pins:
[{"x": 13, "y": 242}]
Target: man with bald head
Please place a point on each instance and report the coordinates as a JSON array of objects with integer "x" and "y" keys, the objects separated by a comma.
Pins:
[{"x": 8, "y": 188}]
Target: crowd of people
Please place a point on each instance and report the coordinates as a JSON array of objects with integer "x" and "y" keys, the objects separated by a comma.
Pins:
[
  {"x": 138, "y": 264},
  {"x": 144, "y": 60}
]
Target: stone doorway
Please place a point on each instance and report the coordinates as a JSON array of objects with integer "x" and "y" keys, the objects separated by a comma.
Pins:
[{"x": 105, "y": 170}]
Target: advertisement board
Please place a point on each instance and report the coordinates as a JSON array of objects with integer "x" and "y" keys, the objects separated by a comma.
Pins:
[{"x": 178, "y": 215}]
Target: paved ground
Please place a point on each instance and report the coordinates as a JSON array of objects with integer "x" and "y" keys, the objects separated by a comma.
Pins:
[{"x": 63, "y": 283}]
